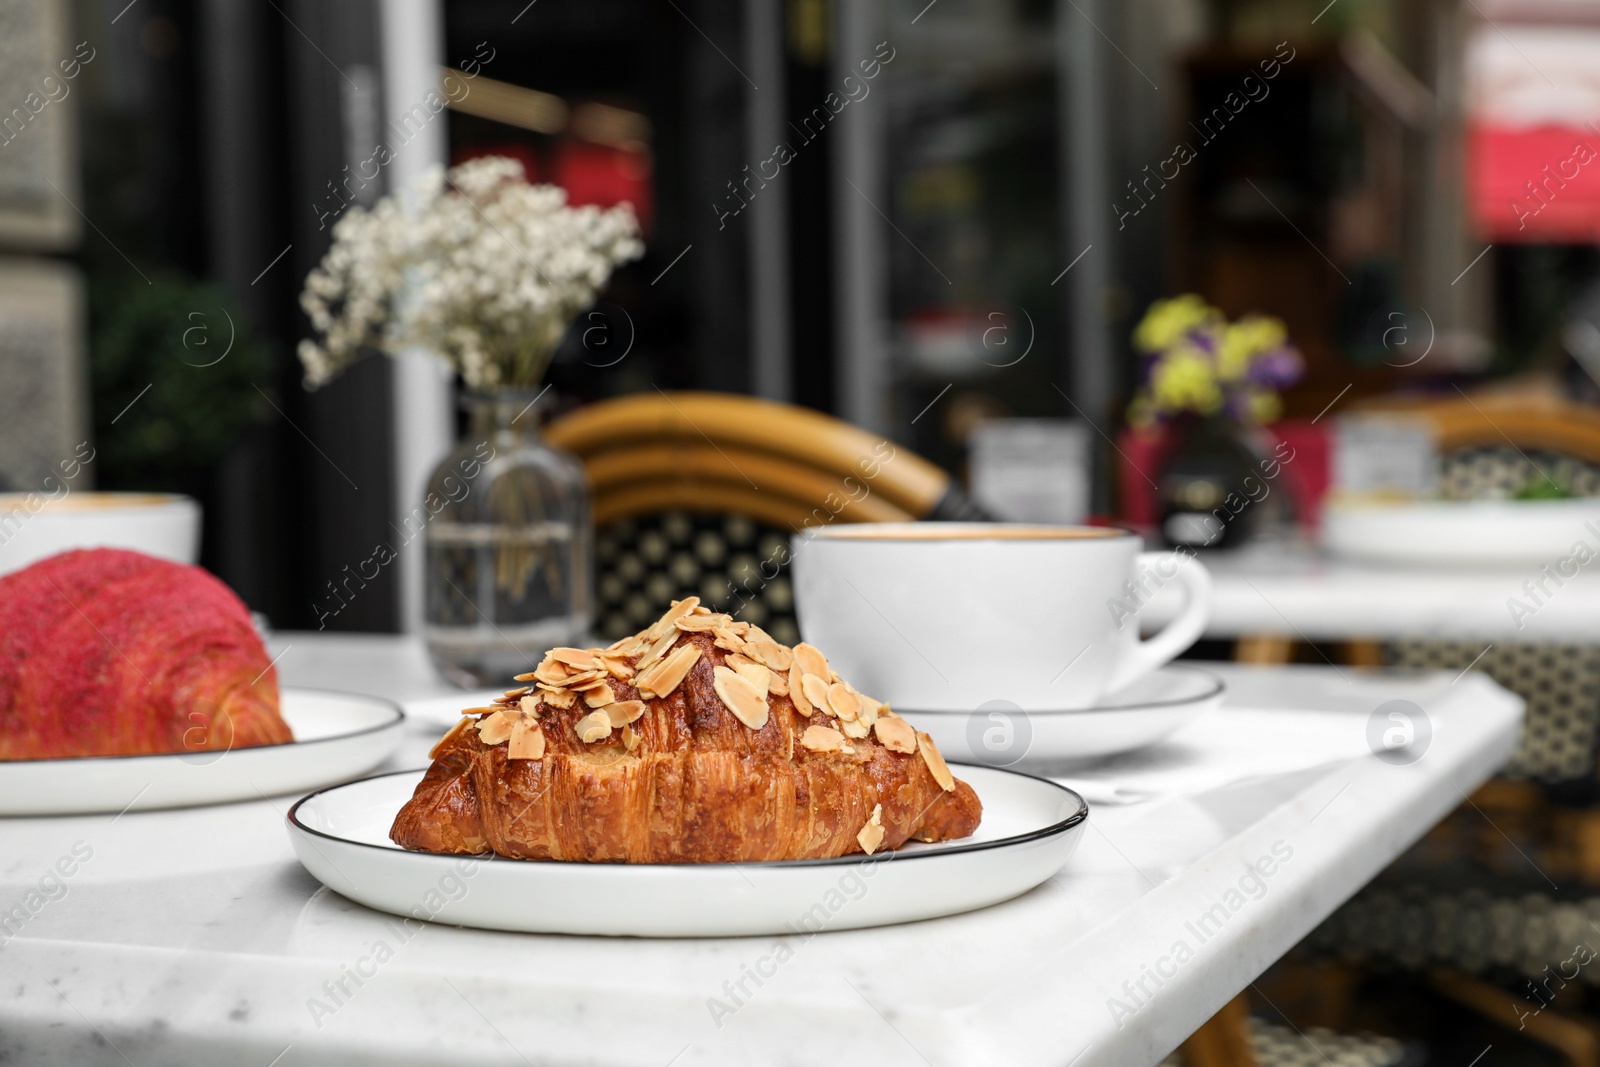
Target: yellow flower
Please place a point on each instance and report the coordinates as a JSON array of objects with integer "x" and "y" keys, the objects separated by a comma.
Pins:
[
  {"x": 1246, "y": 339},
  {"x": 1141, "y": 412},
  {"x": 1184, "y": 381},
  {"x": 1265, "y": 407},
  {"x": 1168, "y": 320}
]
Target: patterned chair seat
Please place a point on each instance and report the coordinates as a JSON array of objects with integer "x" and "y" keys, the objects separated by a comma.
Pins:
[
  {"x": 1282, "y": 1046},
  {"x": 733, "y": 563}
]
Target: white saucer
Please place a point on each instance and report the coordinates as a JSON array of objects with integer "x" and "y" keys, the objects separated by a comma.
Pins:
[
  {"x": 338, "y": 736},
  {"x": 1000, "y": 734},
  {"x": 1030, "y": 827}
]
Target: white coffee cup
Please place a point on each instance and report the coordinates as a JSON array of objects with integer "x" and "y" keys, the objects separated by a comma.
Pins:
[
  {"x": 34, "y": 526},
  {"x": 939, "y": 616}
]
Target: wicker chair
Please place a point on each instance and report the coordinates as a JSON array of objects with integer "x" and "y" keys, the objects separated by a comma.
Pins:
[{"x": 701, "y": 492}]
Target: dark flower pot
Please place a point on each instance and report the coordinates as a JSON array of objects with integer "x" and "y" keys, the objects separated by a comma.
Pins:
[{"x": 1202, "y": 489}]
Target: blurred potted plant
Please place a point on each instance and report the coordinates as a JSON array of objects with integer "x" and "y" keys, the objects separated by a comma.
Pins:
[
  {"x": 1205, "y": 380},
  {"x": 487, "y": 272},
  {"x": 173, "y": 365}
]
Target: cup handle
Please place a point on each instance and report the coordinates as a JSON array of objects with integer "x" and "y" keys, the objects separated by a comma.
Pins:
[{"x": 1145, "y": 656}]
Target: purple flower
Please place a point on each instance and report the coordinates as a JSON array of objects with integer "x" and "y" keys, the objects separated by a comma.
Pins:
[{"x": 1277, "y": 369}]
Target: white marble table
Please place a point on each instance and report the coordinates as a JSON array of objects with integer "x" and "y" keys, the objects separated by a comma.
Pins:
[
  {"x": 1295, "y": 591},
  {"x": 194, "y": 937}
]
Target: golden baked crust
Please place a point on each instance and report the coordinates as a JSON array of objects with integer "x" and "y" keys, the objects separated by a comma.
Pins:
[{"x": 690, "y": 775}]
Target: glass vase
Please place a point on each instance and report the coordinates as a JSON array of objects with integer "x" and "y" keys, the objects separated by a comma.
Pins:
[{"x": 509, "y": 570}]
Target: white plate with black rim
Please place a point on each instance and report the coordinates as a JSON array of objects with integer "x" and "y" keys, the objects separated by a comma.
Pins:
[
  {"x": 1030, "y": 828},
  {"x": 1001, "y": 734},
  {"x": 337, "y": 737}
]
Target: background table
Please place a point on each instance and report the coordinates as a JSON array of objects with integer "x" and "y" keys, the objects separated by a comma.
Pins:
[
  {"x": 1293, "y": 590},
  {"x": 194, "y": 937}
]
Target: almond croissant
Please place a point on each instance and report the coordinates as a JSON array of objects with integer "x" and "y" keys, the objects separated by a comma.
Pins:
[{"x": 699, "y": 740}]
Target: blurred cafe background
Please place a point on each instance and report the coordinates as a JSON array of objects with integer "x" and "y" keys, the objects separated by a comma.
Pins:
[{"x": 1112, "y": 261}]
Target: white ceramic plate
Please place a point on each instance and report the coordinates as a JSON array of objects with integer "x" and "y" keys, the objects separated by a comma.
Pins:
[
  {"x": 338, "y": 736},
  {"x": 1000, "y": 734},
  {"x": 1030, "y": 827},
  {"x": 445, "y": 711},
  {"x": 1446, "y": 533}
]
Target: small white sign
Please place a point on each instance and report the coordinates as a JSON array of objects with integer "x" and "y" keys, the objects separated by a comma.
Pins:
[
  {"x": 1031, "y": 470},
  {"x": 1385, "y": 455}
]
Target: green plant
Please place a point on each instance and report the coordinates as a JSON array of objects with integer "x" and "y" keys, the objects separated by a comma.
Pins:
[
  {"x": 1543, "y": 487},
  {"x": 173, "y": 370}
]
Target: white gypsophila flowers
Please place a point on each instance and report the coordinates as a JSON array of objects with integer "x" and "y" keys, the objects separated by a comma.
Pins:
[{"x": 486, "y": 271}]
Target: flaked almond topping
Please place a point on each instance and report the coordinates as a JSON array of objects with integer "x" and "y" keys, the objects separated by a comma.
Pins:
[
  {"x": 895, "y": 734},
  {"x": 739, "y": 627},
  {"x": 811, "y": 660},
  {"x": 599, "y": 696},
  {"x": 657, "y": 649},
  {"x": 530, "y": 705},
  {"x": 619, "y": 668},
  {"x": 493, "y": 729},
  {"x": 702, "y": 623},
  {"x": 770, "y": 653},
  {"x": 479, "y": 711},
  {"x": 701, "y": 609},
  {"x": 778, "y": 685},
  {"x": 552, "y": 673},
  {"x": 624, "y": 711},
  {"x": 758, "y": 676},
  {"x": 593, "y": 727},
  {"x": 560, "y": 698},
  {"x": 871, "y": 835},
  {"x": 842, "y": 700},
  {"x": 584, "y": 680},
  {"x": 736, "y": 661},
  {"x": 741, "y": 697},
  {"x": 664, "y": 677},
  {"x": 816, "y": 691},
  {"x": 527, "y": 740},
  {"x": 454, "y": 732},
  {"x": 727, "y": 642},
  {"x": 935, "y": 762},
  {"x": 630, "y": 738},
  {"x": 822, "y": 739},
  {"x": 854, "y": 728},
  {"x": 513, "y": 694},
  {"x": 870, "y": 709},
  {"x": 847, "y": 749},
  {"x": 526, "y": 677},
  {"x": 581, "y": 658},
  {"x": 678, "y": 610},
  {"x": 628, "y": 646},
  {"x": 797, "y": 691}
]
